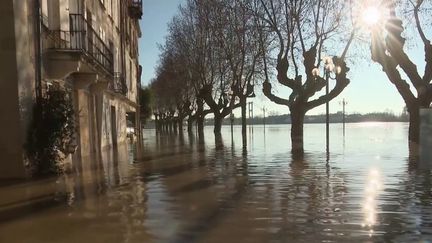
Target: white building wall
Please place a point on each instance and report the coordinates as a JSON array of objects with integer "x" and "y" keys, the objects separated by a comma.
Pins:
[{"x": 120, "y": 124}]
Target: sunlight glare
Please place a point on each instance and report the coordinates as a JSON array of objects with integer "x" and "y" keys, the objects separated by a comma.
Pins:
[
  {"x": 370, "y": 204},
  {"x": 371, "y": 15}
]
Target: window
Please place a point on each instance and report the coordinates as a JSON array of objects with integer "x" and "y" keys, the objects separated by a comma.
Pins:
[{"x": 44, "y": 13}]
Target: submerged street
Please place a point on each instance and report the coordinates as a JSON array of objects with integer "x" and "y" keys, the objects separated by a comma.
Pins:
[{"x": 180, "y": 188}]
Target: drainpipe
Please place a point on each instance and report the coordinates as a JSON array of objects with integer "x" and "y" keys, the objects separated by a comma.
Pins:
[
  {"x": 122, "y": 40},
  {"x": 38, "y": 52}
]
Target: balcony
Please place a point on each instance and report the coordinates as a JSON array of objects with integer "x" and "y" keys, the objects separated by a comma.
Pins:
[
  {"x": 135, "y": 9},
  {"x": 119, "y": 84},
  {"x": 80, "y": 44}
]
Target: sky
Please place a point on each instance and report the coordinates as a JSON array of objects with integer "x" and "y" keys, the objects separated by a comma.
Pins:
[{"x": 369, "y": 90}]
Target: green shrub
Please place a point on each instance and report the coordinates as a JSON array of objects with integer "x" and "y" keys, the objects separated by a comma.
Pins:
[{"x": 52, "y": 134}]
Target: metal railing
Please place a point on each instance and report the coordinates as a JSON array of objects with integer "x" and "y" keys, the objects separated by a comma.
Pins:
[
  {"x": 82, "y": 37},
  {"x": 118, "y": 85},
  {"x": 135, "y": 8},
  {"x": 136, "y": 3}
]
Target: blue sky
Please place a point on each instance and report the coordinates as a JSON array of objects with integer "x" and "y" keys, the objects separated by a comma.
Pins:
[{"x": 369, "y": 90}]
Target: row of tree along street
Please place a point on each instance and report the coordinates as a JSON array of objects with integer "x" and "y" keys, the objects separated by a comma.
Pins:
[{"x": 218, "y": 51}]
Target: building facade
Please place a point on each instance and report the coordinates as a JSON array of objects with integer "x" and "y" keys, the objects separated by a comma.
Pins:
[{"x": 88, "y": 46}]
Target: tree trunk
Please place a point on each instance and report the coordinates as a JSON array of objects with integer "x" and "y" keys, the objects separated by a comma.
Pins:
[
  {"x": 200, "y": 116},
  {"x": 414, "y": 125},
  {"x": 218, "y": 124},
  {"x": 297, "y": 122},
  {"x": 163, "y": 126},
  {"x": 173, "y": 126},
  {"x": 218, "y": 141},
  {"x": 170, "y": 126},
  {"x": 166, "y": 126},
  {"x": 156, "y": 122},
  {"x": 243, "y": 118},
  {"x": 180, "y": 124},
  {"x": 189, "y": 125},
  {"x": 200, "y": 124}
]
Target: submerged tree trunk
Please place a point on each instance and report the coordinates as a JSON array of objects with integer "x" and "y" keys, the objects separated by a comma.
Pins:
[
  {"x": 200, "y": 124},
  {"x": 156, "y": 121},
  {"x": 175, "y": 125},
  {"x": 170, "y": 125},
  {"x": 218, "y": 124},
  {"x": 219, "y": 141},
  {"x": 297, "y": 122},
  {"x": 180, "y": 124},
  {"x": 414, "y": 125},
  {"x": 189, "y": 124},
  {"x": 200, "y": 116}
]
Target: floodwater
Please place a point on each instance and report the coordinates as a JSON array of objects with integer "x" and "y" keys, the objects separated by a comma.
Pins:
[{"x": 177, "y": 188}]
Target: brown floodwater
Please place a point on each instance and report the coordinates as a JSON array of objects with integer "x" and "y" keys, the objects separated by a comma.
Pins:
[{"x": 182, "y": 188}]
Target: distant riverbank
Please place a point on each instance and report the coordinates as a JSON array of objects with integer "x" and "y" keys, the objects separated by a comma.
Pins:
[
  {"x": 310, "y": 119},
  {"x": 334, "y": 118}
]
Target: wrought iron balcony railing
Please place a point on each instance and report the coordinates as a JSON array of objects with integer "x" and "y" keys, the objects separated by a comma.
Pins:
[
  {"x": 82, "y": 38},
  {"x": 119, "y": 84},
  {"x": 135, "y": 9}
]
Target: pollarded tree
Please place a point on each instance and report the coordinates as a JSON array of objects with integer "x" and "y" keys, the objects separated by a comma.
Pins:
[
  {"x": 189, "y": 39},
  {"x": 239, "y": 42},
  {"x": 170, "y": 92},
  {"x": 302, "y": 30},
  {"x": 389, "y": 50},
  {"x": 215, "y": 75}
]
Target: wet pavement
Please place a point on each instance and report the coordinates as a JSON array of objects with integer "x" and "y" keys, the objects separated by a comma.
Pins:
[{"x": 182, "y": 188}]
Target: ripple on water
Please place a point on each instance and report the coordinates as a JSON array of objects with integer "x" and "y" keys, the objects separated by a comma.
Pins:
[{"x": 186, "y": 189}]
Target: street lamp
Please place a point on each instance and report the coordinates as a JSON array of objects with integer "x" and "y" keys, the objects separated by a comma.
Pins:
[{"x": 330, "y": 72}]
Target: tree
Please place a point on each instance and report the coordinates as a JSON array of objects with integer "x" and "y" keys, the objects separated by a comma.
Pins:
[
  {"x": 215, "y": 76},
  {"x": 389, "y": 50},
  {"x": 145, "y": 98},
  {"x": 300, "y": 32},
  {"x": 238, "y": 39},
  {"x": 171, "y": 90},
  {"x": 188, "y": 39}
]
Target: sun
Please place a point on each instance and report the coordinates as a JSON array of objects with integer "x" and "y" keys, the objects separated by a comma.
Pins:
[{"x": 371, "y": 16}]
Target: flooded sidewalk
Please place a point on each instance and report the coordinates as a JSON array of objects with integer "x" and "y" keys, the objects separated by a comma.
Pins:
[{"x": 182, "y": 188}]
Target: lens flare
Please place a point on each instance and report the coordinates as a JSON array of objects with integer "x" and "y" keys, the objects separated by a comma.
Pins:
[{"x": 371, "y": 16}]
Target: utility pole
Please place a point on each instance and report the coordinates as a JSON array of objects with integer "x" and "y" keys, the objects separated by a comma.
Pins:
[
  {"x": 250, "y": 111},
  {"x": 264, "y": 116},
  {"x": 343, "y": 103}
]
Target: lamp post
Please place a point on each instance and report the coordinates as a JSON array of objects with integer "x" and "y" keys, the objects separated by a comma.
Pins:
[
  {"x": 329, "y": 68},
  {"x": 327, "y": 77}
]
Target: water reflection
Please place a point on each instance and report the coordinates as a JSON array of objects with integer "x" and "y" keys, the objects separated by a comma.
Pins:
[
  {"x": 192, "y": 188},
  {"x": 372, "y": 191}
]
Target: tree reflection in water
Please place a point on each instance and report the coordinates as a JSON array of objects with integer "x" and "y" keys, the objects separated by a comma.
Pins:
[{"x": 191, "y": 188}]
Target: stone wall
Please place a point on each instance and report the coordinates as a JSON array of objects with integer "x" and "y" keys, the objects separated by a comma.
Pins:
[{"x": 16, "y": 84}]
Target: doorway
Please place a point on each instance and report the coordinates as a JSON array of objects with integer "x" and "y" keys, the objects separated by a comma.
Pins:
[{"x": 113, "y": 126}]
